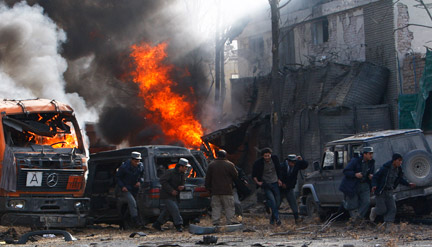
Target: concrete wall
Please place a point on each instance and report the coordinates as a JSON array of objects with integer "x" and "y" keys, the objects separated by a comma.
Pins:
[
  {"x": 345, "y": 43},
  {"x": 411, "y": 41}
]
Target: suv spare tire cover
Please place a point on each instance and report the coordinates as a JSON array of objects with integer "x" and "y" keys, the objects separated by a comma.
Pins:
[{"x": 417, "y": 167}]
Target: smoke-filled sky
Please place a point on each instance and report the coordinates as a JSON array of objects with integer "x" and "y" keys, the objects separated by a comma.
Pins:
[{"x": 78, "y": 52}]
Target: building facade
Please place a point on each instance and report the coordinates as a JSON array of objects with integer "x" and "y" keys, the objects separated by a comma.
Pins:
[{"x": 390, "y": 33}]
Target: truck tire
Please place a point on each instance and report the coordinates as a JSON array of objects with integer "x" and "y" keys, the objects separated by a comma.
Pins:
[
  {"x": 313, "y": 209},
  {"x": 417, "y": 167}
]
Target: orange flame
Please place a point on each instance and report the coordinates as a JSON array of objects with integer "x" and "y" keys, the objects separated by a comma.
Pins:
[
  {"x": 168, "y": 109},
  {"x": 60, "y": 140}
]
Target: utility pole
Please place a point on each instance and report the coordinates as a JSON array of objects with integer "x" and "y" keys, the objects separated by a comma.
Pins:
[
  {"x": 217, "y": 56},
  {"x": 276, "y": 114}
]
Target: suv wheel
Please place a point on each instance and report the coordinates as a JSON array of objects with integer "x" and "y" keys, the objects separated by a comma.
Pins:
[
  {"x": 417, "y": 167},
  {"x": 313, "y": 209},
  {"x": 422, "y": 206}
]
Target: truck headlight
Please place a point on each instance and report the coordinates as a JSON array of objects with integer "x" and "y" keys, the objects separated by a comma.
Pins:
[
  {"x": 77, "y": 204},
  {"x": 17, "y": 204}
]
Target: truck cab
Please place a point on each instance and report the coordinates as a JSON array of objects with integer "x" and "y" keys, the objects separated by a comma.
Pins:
[{"x": 43, "y": 165}]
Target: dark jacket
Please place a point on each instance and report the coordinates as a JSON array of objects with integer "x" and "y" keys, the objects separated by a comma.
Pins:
[
  {"x": 380, "y": 178},
  {"x": 349, "y": 182},
  {"x": 220, "y": 177},
  {"x": 170, "y": 180},
  {"x": 127, "y": 176},
  {"x": 258, "y": 168},
  {"x": 241, "y": 184},
  {"x": 290, "y": 180}
]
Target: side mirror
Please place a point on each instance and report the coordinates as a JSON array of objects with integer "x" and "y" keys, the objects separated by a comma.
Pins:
[{"x": 316, "y": 166}]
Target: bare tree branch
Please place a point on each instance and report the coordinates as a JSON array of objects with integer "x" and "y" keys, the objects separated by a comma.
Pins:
[
  {"x": 426, "y": 8},
  {"x": 280, "y": 7},
  {"x": 407, "y": 25}
]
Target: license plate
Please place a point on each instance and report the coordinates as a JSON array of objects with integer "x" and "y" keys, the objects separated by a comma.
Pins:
[
  {"x": 34, "y": 179},
  {"x": 50, "y": 219},
  {"x": 184, "y": 195}
]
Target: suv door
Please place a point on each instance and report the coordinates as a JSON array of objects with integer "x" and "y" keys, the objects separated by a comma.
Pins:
[
  {"x": 341, "y": 161},
  {"x": 324, "y": 182}
]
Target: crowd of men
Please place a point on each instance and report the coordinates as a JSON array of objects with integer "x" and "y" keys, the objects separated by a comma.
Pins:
[{"x": 277, "y": 181}]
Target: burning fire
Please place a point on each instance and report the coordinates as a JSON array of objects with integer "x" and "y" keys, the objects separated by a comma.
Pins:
[
  {"x": 169, "y": 110},
  {"x": 60, "y": 140}
]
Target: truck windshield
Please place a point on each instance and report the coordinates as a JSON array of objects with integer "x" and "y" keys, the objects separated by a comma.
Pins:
[{"x": 53, "y": 129}]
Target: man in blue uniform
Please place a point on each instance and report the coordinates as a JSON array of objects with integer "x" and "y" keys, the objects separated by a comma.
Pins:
[{"x": 129, "y": 178}]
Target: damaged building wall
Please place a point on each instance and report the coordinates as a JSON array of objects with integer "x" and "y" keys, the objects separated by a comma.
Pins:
[
  {"x": 372, "y": 31},
  {"x": 411, "y": 41},
  {"x": 337, "y": 38},
  {"x": 320, "y": 104},
  {"x": 323, "y": 31},
  {"x": 324, "y": 103},
  {"x": 380, "y": 47}
]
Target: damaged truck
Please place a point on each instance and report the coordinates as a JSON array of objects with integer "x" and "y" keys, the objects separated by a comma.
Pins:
[{"x": 43, "y": 165}]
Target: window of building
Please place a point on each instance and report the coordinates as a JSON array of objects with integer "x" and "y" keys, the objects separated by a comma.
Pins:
[
  {"x": 320, "y": 32},
  {"x": 287, "y": 48},
  {"x": 256, "y": 45}
]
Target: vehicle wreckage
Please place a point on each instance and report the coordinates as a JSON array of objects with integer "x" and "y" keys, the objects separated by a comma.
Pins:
[{"x": 43, "y": 165}]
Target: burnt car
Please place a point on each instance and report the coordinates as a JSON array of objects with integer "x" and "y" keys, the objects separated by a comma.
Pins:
[
  {"x": 200, "y": 157},
  {"x": 108, "y": 207},
  {"x": 320, "y": 191}
]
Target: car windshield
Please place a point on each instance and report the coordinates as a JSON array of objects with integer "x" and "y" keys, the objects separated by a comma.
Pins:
[{"x": 53, "y": 129}]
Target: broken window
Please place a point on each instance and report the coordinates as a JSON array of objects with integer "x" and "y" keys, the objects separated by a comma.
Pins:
[
  {"x": 53, "y": 129},
  {"x": 287, "y": 48},
  {"x": 256, "y": 46},
  {"x": 320, "y": 32},
  {"x": 165, "y": 163},
  {"x": 329, "y": 160}
]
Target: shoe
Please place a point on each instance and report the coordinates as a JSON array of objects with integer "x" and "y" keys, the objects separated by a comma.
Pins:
[
  {"x": 272, "y": 221},
  {"x": 156, "y": 225},
  {"x": 372, "y": 215},
  {"x": 389, "y": 228},
  {"x": 278, "y": 222},
  {"x": 179, "y": 228}
]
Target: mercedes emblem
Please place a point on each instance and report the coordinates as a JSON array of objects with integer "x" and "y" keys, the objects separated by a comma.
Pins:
[{"x": 52, "y": 180}]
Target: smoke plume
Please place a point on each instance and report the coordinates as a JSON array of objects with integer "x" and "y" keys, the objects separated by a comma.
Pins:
[
  {"x": 30, "y": 64},
  {"x": 78, "y": 52}
]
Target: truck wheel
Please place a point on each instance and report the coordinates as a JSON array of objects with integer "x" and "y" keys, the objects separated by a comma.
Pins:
[
  {"x": 313, "y": 209},
  {"x": 417, "y": 167}
]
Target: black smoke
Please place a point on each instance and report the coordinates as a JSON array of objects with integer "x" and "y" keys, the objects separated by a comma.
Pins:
[{"x": 99, "y": 36}]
